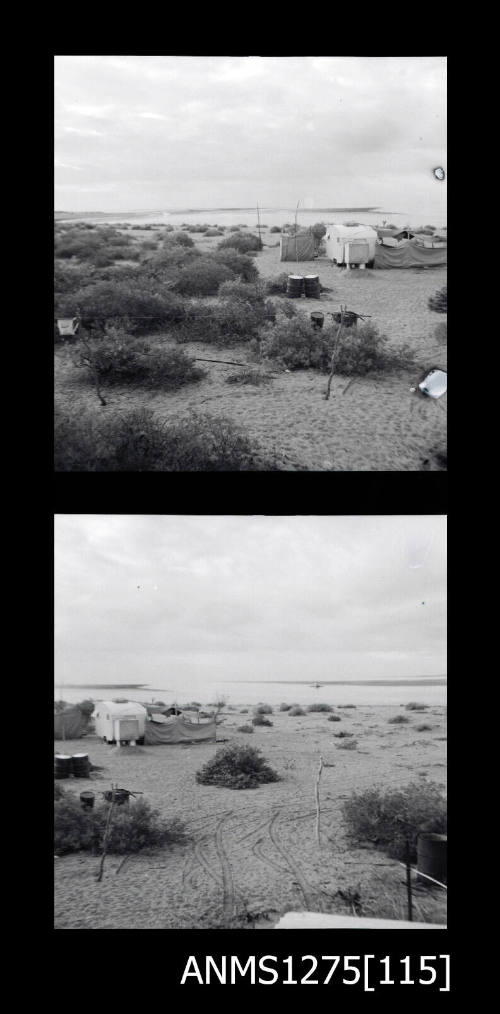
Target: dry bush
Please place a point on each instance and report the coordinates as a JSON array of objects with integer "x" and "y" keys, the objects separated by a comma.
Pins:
[
  {"x": 137, "y": 441},
  {"x": 263, "y": 709},
  {"x": 132, "y": 829},
  {"x": 245, "y": 728},
  {"x": 423, "y": 728},
  {"x": 242, "y": 266},
  {"x": 203, "y": 277},
  {"x": 415, "y": 706},
  {"x": 237, "y": 767},
  {"x": 351, "y": 744},
  {"x": 242, "y": 242},
  {"x": 260, "y": 720},
  {"x": 296, "y": 710},
  {"x": 334, "y": 718},
  {"x": 389, "y": 819},
  {"x": 320, "y": 707},
  {"x": 285, "y": 707},
  {"x": 121, "y": 359},
  {"x": 439, "y": 301},
  {"x": 253, "y": 377},
  {"x": 398, "y": 720}
]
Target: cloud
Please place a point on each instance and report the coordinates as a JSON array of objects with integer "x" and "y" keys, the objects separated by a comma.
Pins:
[{"x": 240, "y": 591}]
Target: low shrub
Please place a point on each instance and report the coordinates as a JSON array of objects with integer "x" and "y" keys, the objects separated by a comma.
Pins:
[
  {"x": 214, "y": 232},
  {"x": 295, "y": 344},
  {"x": 253, "y": 377},
  {"x": 439, "y": 301},
  {"x": 119, "y": 359},
  {"x": 179, "y": 237},
  {"x": 276, "y": 285},
  {"x": 244, "y": 291},
  {"x": 243, "y": 267},
  {"x": 241, "y": 242},
  {"x": 320, "y": 707},
  {"x": 138, "y": 441},
  {"x": 202, "y": 278},
  {"x": 149, "y": 244},
  {"x": 275, "y": 228},
  {"x": 364, "y": 350},
  {"x": 415, "y": 706},
  {"x": 243, "y": 711},
  {"x": 423, "y": 728},
  {"x": 237, "y": 767},
  {"x": 351, "y": 744},
  {"x": 224, "y": 323},
  {"x": 346, "y": 706},
  {"x": 398, "y": 720},
  {"x": 132, "y": 829},
  {"x": 285, "y": 707},
  {"x": 260, "y": 720},
  {"x": 245, "y": 728},
  {"x": 263, "y": 709},
  {"x": 334, "y": 718},
  {"x": 296, "y": 711},
  {"x": 343, "y": 735},
  {"x": 146, "y": 309},
  {"x": 388, "y": 819}
]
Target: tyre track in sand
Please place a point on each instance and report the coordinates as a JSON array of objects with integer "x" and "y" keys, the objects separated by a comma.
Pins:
[{"x": 307, "y": 890}]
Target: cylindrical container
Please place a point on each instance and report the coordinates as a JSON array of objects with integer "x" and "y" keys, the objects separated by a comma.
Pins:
[
  {"x": 87, "y": 800},
  {"x": 63, "y": 765},
  {"x": 81, "y": 765},
  {"x": 318, "y": 319},
  {"x": 121, "y": 796},
  {"x": 295, "y": 285},
  {"x": 312, "y": 286},
  {"x": 432, "y": 851}
]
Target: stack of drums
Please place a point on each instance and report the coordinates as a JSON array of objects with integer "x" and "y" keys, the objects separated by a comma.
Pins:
[
  {"x": 81, "y": 765},
  {"x": 295, "y": 286},
  {"x": 312, "y": 286},
  {"x": 63, "y": 765}
]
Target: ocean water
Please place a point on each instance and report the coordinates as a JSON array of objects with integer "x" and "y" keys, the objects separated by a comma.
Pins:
[
  {"x": 270, "y": 216},
  {"x": 240, "y": 694}
]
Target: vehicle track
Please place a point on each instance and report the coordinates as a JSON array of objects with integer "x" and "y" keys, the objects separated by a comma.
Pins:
[{"x": 307, "y": 890}]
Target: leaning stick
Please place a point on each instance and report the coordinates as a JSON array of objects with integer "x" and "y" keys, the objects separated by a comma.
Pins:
[
  {"x": 106, "y": 834},
  {"x": 320, "y": 768},
  {"x": 334, "y": 353}
]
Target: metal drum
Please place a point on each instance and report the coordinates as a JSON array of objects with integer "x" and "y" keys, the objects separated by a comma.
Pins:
[
  {"x": 312, "y": 286},
  {"x": 63, "y": 765},
  {"x": 81, "y": 765},
  {"x": 318, "y": 319},
  {"x": 295, "y": 286},
  {"x": 432, "y": 852}
]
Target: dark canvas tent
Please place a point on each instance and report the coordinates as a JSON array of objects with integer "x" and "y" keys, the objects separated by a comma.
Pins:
[
  {"x": 301, "y": 247},
  {"x": 410, "y": 255},
  {"x": 70, "y": 724},
  {"x": 179, "y": 730}
]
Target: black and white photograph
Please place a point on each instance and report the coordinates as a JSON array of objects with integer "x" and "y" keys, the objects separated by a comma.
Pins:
[
  {"x": 250, "y": 263},
  {"x": 250, "y": 722}
]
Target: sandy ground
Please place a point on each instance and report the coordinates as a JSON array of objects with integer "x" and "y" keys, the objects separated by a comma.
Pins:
[
  {"x": 376, "y": 425},
  {"x": 253, "y": 855}
]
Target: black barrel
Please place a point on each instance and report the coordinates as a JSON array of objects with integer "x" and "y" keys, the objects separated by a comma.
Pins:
[
  {"x": 121, "y": 796},
  {"x": 432, "y": 852},
  {"x": 295, "y": 286},
  {"x": 87, "y": 800},
  {"x": 63, "y": 765},
  {"x": 318, "y": 319},
  {"x": 312, "y": 287},
  {"x": 81, "y": 765}
]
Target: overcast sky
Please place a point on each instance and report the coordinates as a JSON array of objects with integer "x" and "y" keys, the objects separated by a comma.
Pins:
[
  {"x": 142, "y": 597},
  {"x": 153, "y": 132}
]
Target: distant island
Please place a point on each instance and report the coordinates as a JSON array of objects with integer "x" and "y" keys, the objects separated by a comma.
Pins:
[{"x": 415, "y": 681}]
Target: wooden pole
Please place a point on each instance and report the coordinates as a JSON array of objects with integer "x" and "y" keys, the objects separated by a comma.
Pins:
[
  {"x": 334, "y": 353},
  {"x": 320, "y": 768},
  {"x": 106, "y": 833},
  {"x": 258, "y": 224},
  {"x": 296, "y": 251},
  {"x": 408, "y": 882}
]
